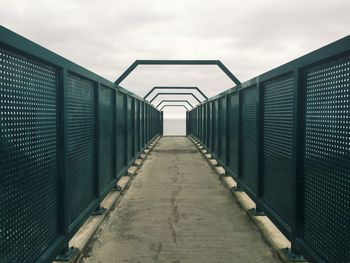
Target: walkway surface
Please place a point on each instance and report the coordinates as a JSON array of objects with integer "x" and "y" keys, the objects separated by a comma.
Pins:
[{"x": 177, "y": 210}]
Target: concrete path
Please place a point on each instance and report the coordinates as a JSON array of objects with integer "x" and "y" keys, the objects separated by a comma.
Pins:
[{"x": 177, "y": 210}]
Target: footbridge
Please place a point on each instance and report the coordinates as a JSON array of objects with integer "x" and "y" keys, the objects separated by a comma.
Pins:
[{"x": 86, "y": 174}]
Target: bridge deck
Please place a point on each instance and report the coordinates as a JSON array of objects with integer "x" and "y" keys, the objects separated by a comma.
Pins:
[{"x": 177, "y": 210}]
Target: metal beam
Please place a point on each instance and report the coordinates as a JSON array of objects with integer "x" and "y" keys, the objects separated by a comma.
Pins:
[
  {"x": 175, "y": 101},
  {"x": 175, "y": 87},
  {"x": 176, "y": 105},
  {"x": 178, "y": 62},
  {"x": 175, "y": 93}
]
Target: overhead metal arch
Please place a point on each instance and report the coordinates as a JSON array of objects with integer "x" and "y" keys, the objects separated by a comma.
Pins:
[
  {"x": 175, "y": 101},
  {"x": 175, "y": 105},
  {"x": 175, "y": 87},
  {"x": 175, "y": 93},
  {"x": 178, "y": 62}
]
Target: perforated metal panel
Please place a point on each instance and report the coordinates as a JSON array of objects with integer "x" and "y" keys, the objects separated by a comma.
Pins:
[
  {"x": 215, "y": 126},
  {"x": 199, "y": 117},
  {"x": 327, "y": 161},
  {"x": 210, "y": 126},
  {"x": 106, "y": 134},
  {"x": 142, "y": 123},
  {"x": 278, "y": 142},
  {"x": 222, "y": 129},
  {"x": 233, "y": 132},
  {"x": 205, "y": 118},
  {"x": 130, "y": 128},
  {"x": 81, "y": 144},
  {"x": 249, "y": 138},
  {"x": 121, "y": 132},
  {"x": 28, "y": 158},
  {"x": 137, "y": 126}
]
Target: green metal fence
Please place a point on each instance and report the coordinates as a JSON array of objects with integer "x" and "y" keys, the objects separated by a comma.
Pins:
[
  {"x": 66, "y": 135},
  {"x": 284, "y": 136}
]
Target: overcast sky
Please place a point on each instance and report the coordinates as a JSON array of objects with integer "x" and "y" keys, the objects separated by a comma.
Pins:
[{"x": 249, "y": 36}]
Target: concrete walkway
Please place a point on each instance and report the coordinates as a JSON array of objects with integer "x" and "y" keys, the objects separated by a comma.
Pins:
[{"x": 177, "y": 210}]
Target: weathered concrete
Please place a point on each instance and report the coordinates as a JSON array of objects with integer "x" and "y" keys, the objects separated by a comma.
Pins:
[
  {"x": 132, "y": 170},
  {"x": 123, "y": 182},
  {"x": 213, "y": 162},
  {"x": 177, "y": 210}
]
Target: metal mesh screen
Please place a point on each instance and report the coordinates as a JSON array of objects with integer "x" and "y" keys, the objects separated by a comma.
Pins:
[
  {"x": 278, "y": 143},
  {"x": 130, "y": 129},
  {"x": 233, "y": 132},
  {"x": 28, "y": 158},
  {"x": 137, "y": 126},
  {"x": 249, "y": 135},
  {"x": 142, "y": 123},
  {"x": 106, "y": 141},
  {"x": 222, "y": 129},
  {"x": 205, "y": 116},
  {"x": 210, "y": 125},
  {"x": 81, "y": 144},
  {"x": 215, "y": 126},
  {"x": 327, "y": 161},
  {"x": 120, "y": 132}
]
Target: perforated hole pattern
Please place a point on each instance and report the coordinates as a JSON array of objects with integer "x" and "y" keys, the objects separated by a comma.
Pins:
[
  {"x": 81, "y": 144},
  {"x": 278, "y": 143},
  {"x": 327, "y": 161},
  {"x": 222, "y": 129},
  {"x": 215, "y": 126},
  {"x": 28, "y": 156},
  {"x": 106, "y": 103},
  {"x": 233, "y": 130},
  {"x": 120, "y": 132},
  {"x": 249, "y": 135},
  {"x": 130, "y": 129}
]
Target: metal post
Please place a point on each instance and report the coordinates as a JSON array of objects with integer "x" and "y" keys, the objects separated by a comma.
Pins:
[
  {"x": 62, "y": 149},
  {"x": 298, "y": 163},
  {"x": 99, "y": 210},
  {"x": 239, "y": 168},
  {"x": 114, "y": 133},
  {"x": 66, "y": 253},
  {"x": 259, "y": 145},
  {"x": 227, "y": 149}
]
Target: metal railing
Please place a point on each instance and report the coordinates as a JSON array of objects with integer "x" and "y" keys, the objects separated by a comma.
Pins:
[
  {"x": 284, "y": 136},
  {"x": 66, "y": 135}
]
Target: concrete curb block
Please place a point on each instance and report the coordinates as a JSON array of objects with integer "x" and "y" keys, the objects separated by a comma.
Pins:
[
  {"x": 270, "y": 233},
  {"x": 84, "y": 235},
  {"x": 208, "y": 155},
  {"x": 213, "y": 162},
  {"x": 138, "y": 162},
  {"x": 132, "y": 170},
  {"x": 219, "y": 170},
  {"x": 122, "y": 183}
]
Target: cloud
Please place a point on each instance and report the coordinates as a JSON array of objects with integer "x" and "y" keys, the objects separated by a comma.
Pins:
[{"x": 250, "y": 37}]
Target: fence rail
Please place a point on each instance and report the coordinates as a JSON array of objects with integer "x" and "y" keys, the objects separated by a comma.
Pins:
[
  {"x": 66, "y": 135},
  {"x": 284, "y": 136}
]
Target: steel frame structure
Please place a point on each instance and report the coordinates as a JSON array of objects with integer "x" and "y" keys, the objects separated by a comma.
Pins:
[
  {"x": 176, "y": 88},
  {"x": 175, "y": 93},
  {"x": 186, "y": 101},
  {"x": 175, "y": 105},
  {"x": 218, "y": 63}
]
